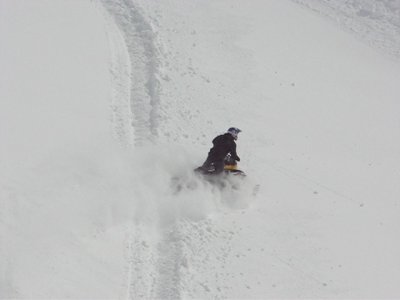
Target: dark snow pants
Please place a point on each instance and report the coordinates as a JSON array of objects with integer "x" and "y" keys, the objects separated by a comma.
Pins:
[{"x": 218, "y": 165}]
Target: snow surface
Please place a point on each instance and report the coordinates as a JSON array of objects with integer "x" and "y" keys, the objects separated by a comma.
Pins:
[
  {"x": 106, "y": 104},
  {"x": 375, "y": 22}
]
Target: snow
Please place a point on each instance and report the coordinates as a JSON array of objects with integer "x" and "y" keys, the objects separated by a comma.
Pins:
[
  {"x": 106, "y": 103},
  {"x": 375, "y": 22}
]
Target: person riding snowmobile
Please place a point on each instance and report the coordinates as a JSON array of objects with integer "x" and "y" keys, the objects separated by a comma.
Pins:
[{"x": 222, "y": 146}]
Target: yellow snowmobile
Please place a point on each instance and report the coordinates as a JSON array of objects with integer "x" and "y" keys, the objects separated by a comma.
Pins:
[{"x": 230, "y": 166}]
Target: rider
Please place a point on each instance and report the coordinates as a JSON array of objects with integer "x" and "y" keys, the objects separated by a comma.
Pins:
[{"x": 223, "y": 144}]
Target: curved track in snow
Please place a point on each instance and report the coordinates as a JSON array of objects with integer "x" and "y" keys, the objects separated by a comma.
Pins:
[
  {"x": 143, "y": 84},
  {"x": 153, "y": 252}
]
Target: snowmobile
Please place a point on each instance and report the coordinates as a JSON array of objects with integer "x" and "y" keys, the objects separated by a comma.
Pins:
[
  {"x": 230, "y": 167},
  {"x": 229, "y": 180}
]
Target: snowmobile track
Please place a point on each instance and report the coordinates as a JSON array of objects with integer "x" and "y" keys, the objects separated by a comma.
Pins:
[{"x": 143, "y": 58}]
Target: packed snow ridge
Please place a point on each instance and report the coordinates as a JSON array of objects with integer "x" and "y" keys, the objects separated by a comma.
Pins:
[{"x": 143, "y": 69}]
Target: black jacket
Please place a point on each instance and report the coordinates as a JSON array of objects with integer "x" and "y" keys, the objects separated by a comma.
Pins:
[{"x": 223, "y": 144}]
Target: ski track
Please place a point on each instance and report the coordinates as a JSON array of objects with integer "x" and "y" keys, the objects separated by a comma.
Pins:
[
  {"x": 140, "y": 258},
  {"x": 153, "y": 251},
  {"x": 168, "y": 264},
  {"x": 143, "y": 58},
  {"x": 120, "y": 98}
]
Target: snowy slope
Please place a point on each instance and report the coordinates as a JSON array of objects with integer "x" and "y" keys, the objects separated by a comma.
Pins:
[
  {"x": 106, "y": 102},
  {"x": 58, "y": 173},
  {"x": 374, "y": 22}
]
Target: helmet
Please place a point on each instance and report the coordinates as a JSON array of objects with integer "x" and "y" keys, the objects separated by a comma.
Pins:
[{"x": 234, "y": 132}]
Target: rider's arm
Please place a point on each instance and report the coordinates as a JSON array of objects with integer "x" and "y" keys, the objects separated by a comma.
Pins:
[{"x": 233, "y": 152}]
